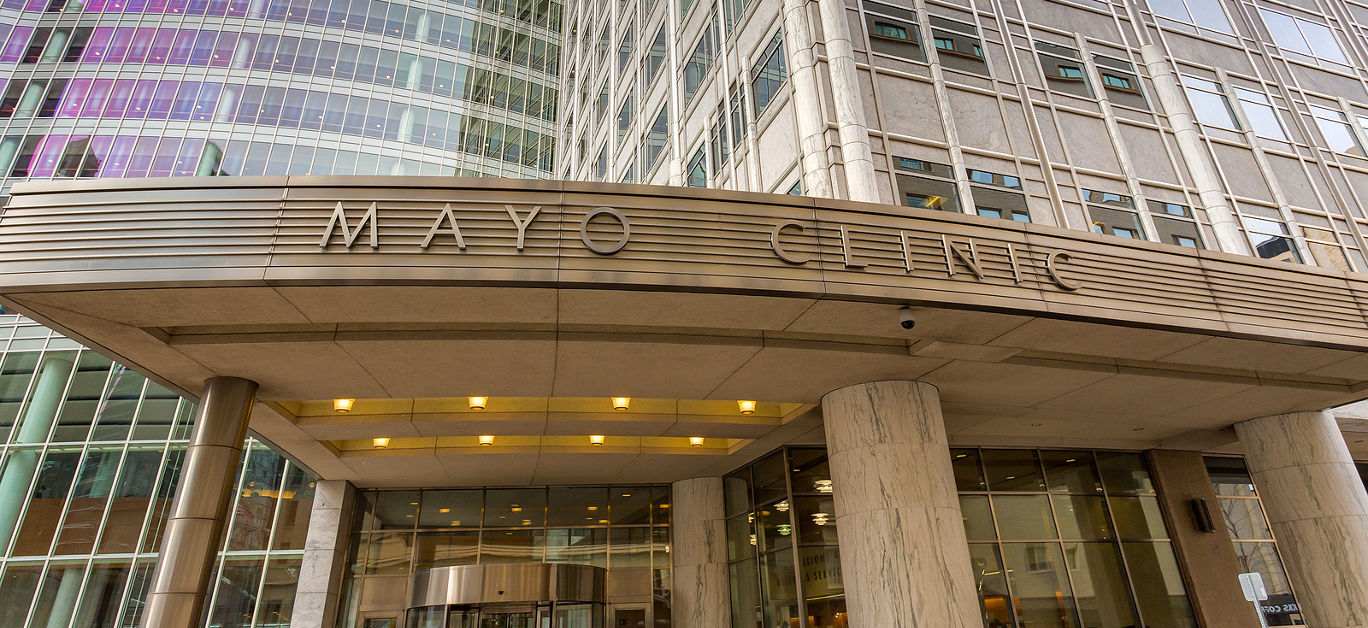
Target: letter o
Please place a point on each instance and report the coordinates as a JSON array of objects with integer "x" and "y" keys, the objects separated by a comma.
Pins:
[{"x": 598, "y": 248}]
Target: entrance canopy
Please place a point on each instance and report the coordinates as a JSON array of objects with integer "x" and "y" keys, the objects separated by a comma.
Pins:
[{"x": 411, "y": 295}]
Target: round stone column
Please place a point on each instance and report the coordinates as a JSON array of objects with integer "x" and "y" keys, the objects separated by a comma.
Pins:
[
  {"x": 194, "y": 532},
  {"x": 904, "y": 556},
  {"x": 698, "y": 551},
  {"x": 1318, "y": 508}
]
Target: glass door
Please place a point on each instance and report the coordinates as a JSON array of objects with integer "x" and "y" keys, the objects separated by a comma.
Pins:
[
  {"x": 505, "y": 617},
  {"x": 464, "y": 618}
]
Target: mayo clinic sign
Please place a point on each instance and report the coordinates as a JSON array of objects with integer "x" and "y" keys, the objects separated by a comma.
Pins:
[{"x": 959, "y": 257}]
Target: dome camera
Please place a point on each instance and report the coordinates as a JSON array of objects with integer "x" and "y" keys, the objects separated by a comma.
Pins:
[{"x": 906, "y": 318}]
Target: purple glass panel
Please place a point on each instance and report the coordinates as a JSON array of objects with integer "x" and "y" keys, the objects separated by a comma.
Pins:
[
  {"x": 119, "y": 97},
  {"x": 204, "y": 48},
  {"x": 118, "y": 46},
  {"x": 120, "y": 151},
  {"x": 48, "y": 154},
  {"x": 223, "y": 49},
  {"x": 180, "y": 51},
  {"x": 95, "y": 101},
  {"x": 99, "y": 155},
  {"x": 208, "y": 99},
  {"x": 18, "y": 42},
  {"x": 270, "y": 106},
  {"x": 279, "y": 161},
  {"x": 293, "y": 109},
  {"x": 17, "y": 5},
  {"x": 142, "y": 99},
  {"x": 255, "y": 163},
  {"x": 164, "y": 159},
  {"x": 141, "y": 159},
  {"x": 141, "y": 45},
  {"x": 246, "y": 47},
  {"x": 188, "y": 158},
  {"x": 36, "y": 5},
  {"x": 217, "y": 8},
  {"x": 72, "y": 156},
  {"x": 73, "y": 98},
  {"x": 176, "y": 6},
  {"x": 95, "y": 6},
  {"x": 161, "y": 101},
  {"x": 184, "y": 104},
  {"x": 196, "y": 7},
  {"x": 161, "y": 46},
  {"x": 228, "y": 102},
  {"x": 157, "y": 6}
]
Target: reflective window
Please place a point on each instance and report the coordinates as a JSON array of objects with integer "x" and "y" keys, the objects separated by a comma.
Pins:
[
  {"x": 1204, "y": 13},
  {"x": 769, "y": 73},
  {"x": 1255, "y": 547},
  {"x": 1334, "y": 127},
  {"x": 1262, "y": 116},
  {"x": 1209, "y": 102},
  {"x": 655, "y": 140},
  {"x": 699, "y": 62},
  {"x": 1271, "y": 239},
  {"x": 1303, "y": 36}
]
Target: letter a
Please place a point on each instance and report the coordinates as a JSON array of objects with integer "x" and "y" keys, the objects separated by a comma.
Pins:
[{"x": 437, "y": 228}]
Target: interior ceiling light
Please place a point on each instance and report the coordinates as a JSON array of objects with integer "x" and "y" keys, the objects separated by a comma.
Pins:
[
  {"x": 747, "y": 407},
  {"x": 343, "y": 406},
  {"x": 695, "y": 441},
  {"x": 620, "y": 403},
  {"x": 478, "y": 403},
  {"x": 380, "y": 442},
  {"x": 596, "y": 439},
  {"x": 486, "y": 440},
  {"x": 822, "y": 486}
]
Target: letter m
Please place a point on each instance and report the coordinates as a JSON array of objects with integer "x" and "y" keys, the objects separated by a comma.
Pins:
[{"x": 339, "y": 220}]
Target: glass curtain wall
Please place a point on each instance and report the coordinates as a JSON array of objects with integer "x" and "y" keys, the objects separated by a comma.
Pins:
[
  {"x": 1061, "y": 539},
  {"x": 157, "y": 88},
  {"x": 91, "y": 457},
  {"x": 1068, "y": 538},
  {"x": 1255, "y": 547},
  {"x": 784, "y": 566},
  {"x": 624, "y": 529}
]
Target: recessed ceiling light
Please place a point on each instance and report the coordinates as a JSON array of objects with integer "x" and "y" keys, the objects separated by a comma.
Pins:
[{"x": 343, "y": 406}]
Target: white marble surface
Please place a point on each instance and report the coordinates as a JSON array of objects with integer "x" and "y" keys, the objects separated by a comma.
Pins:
[
  {"x": 1318, "y": 510},
  {"x": 904, "y": 556},
  {"x": 698, "y": 552}
]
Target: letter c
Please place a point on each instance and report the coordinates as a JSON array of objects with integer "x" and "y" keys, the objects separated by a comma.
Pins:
[
  {"x": 779, "y": 248},
  {"x": 1054, "y": 271}
]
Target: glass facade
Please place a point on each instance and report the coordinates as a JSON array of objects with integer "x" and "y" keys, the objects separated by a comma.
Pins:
[
  {"x": 112, "y": 88},
  {"x": 91, "y": 460},
  {"x": 784, "y": 566},
  {"x": 623, "y": 529},
  {"x": 1252, "y": 537}
]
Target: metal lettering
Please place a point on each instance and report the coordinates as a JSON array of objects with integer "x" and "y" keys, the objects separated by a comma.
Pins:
[
  {"x": 455, "y": 230},
  {"x": 339, "y": 219},
  {"x": 1016, "y": 268},
  {"x": 907, "y": 249},
  {"x": 969, "y": 258},
  {"x": 1053, "y": 270},
  {"x": 520, "y": 223},
  {"x": 779, "y": 248},
  {"x": 849, "y": 253},
  {"x": 612, "y": 248}
]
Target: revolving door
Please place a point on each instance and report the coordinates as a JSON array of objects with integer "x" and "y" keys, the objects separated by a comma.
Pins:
[{"x": 527, "y": 595}]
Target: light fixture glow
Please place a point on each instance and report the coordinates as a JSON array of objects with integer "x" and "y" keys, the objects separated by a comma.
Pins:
[
  {"x": 747, "y": 407},
  {"x": 343, "y": 406},
  {"x": 820, "y": 518},
  {"x": 620, "y": 403},
  {"x": 695, "y": 441},
  {"x": 380, "y": 442},
  {"x": 822, "y": 486},
  {"x": 486, "y": 440},
  {"x": 596, "y": 439},
  {"x": 478, "y": 403},
  {"x": 785, "y": 529},
  {"x": 782, "y": 506}
]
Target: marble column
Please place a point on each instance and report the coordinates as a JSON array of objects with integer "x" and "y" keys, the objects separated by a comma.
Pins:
[
  {"x": 194, "y": 532},
  {"x": 1317, "y": 506},
  {"x": 904, "y": 556},
  {"x": 325, "y": 553},
  {"x": 698, "y": 550}
]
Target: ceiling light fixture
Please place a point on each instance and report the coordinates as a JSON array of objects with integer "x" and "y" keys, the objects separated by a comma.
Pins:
[
  {"x": 478, "y": 403},
  {"x": 695, "y": 441},
  {"x": 747, "y": 407},
  {"x": 820, "y": 518},
  {"x": 343, "y": 406},
  {"x": 620, "y": 403},
  {"x": 380, "y": 442},
  {"x": 486, "y": 440},
  {"x": 822, "y": 486},
  {"x": 596, "y": 439}
]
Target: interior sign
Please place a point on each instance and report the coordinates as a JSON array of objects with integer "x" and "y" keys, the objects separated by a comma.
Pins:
[{"x": 960, "y": 257}]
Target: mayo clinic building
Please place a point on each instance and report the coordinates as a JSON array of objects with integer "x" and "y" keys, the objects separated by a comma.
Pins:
[{"x": 674, "y": 313}]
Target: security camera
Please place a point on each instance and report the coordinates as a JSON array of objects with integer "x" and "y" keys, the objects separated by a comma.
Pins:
[{"x": 906, "y": 318}]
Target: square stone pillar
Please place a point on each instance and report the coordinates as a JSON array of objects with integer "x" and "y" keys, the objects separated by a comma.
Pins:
[
  {"x": 1211, "y": 568},
  {"x": 325, "y": 555},
  {"x": 904, "y": 555},
  {"x": 1318, "y": 508}
]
